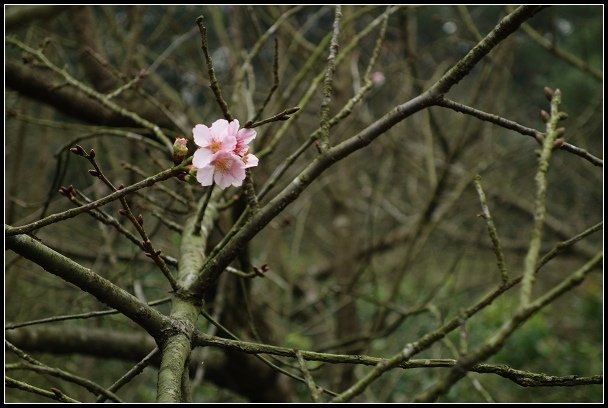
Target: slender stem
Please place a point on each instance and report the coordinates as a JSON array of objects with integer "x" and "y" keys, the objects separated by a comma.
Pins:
[
  {"x": 508, "y": 124},
  {"x": 493, "y": 344},
  {"x": 132, "y": 373},
  {"x": 540, "y": 207},
  {"x": 310, "y": 382},
  {"x": 51, "y": 219},
  {"x": 500, "y": 258},
  {"x": 103, "y": 99},
  {"x": 328, "y": 81},
  {"x": 275, "y": 81},
  {"x": 214, "y": 83},
  {"x": 518, "y": 376},
  {"x": 54, "y": 394},
  {"x": 76, "y": 316},
  {"x": 201, "y": 213},
  {"x": 105, "y": 291}
]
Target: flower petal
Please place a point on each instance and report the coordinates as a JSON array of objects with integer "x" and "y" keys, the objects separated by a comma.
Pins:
[
  {"x": 228, "y": 143},
  {"x": 201, "y": 135},
  {"x": 246, "y": 135},
  {"x": 202, "y": 157},
  {"x": 205, "y": 175},
  {"x": 219, "y": 128},
  {"x": 237, "y": 170},
  {"x": 234, "y": 127},
  {"x": 250, "y": 160},
  {"x": 223, "y": 180}
]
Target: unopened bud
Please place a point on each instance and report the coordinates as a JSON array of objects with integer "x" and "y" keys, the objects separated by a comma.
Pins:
[
  {"x": 560, "y": 131},
  {"x": 78, "y": 150},
  {"x": 140, "y": 220},
  {"x": 548, "y": 93},
  {"x": 122, "y": 211},
  {"x": 558, "y": 143},
  {"x": 540, "y": 137},
  {"x": 94, "y": 173},
  {"x": 190, "y": 176},
  {"x": 544, "y": 115},
  {"x": 562, "y": 116},
  {"x": 92, "y": 154},
  {"x": 180, "y": 150}
]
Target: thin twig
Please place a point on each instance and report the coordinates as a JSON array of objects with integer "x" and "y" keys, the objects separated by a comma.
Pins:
[
  {"x": 303, "y": 102},
  {"x": 281, "y": 116},
  {"x": 91, "y": 386},
  {"x": 213, "y": 82},
  {"x": 500, "y": 257},
  {"x": 328, "y": 82},
  {"x": 132, "y": 373},
  {"x": 494, "y": 343},
  {"x": 562, "y": 246},
  {"x": 540, "y": 207},
  {"x": 103, "y": 99},
  {"x": 275, "y": 81},
  {"x": 51, "y": 219},
  {"x": 518, "y": 376},
  {"x": 310, "y": 382},
  {"x": 54, "y": 394},
  {"x": 561, "y": 53},
  {"x": 201, "y": 212},
  {"x": 76, "y": 316},
  {"x": 265, "y": 360},
  {"x": 138, "y": 221},
  {"x": 100, "y": 215},
  {"x": 508, "y": 124}
]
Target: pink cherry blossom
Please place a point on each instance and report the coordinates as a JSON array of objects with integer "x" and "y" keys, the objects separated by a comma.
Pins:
[
  {"x": 225, "y": 168},
  {"x": 223, "y": 153},
  {"x": 221, "y": 136},
  {"x": 243, "y": 137}
]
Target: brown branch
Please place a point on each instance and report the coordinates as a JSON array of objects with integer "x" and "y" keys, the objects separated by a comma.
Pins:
[
  {"x": 214, "y": 266},
  {"x": 214, "y": 84},
  {"x": 37, "y": 85},
  {"x": 51, "y": 219},
  {"x": 508, "y": 124},
  {"x": 85, "y": 279}
]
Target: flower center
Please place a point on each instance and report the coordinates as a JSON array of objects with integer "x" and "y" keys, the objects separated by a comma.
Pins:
[
  {"x": 215, "y": 145},
  {"x": 245, "y": 157},
  {"x": 223, "y": 164}
]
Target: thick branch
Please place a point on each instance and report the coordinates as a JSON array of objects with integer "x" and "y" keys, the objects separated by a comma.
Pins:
[
  {"x": 185, "y": 307},
  {"x": 38, "y": 86},
  {"x": 87, "y": 280},
  {"x": 503, "y": 29},
  {"x": 214, "y": 267}
]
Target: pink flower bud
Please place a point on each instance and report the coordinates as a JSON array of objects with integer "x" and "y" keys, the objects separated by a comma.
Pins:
[{"x": 180, "y": 150}]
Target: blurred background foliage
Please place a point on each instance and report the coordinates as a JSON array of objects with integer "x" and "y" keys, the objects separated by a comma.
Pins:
[{"x": 324, "y": 290}]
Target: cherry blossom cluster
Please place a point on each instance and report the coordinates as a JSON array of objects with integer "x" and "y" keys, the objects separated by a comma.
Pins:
[{"x": 223, "y": 153}]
